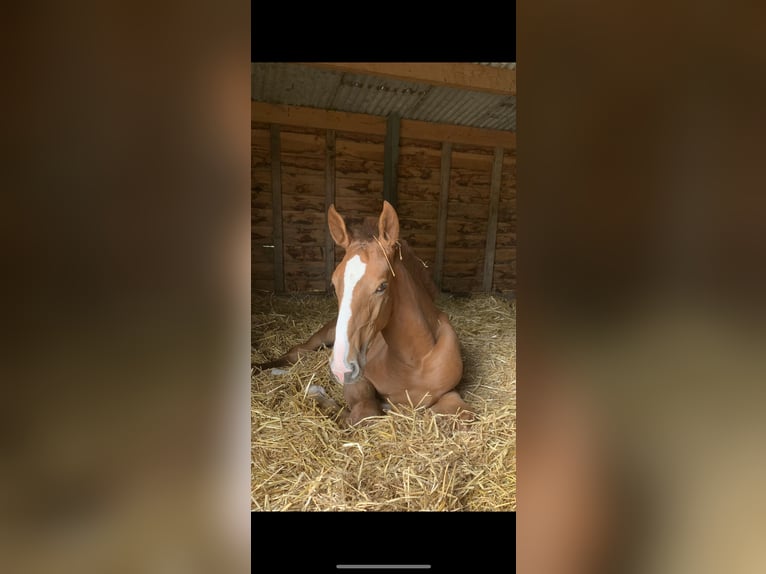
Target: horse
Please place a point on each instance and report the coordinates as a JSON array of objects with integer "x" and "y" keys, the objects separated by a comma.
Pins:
[{"x": 391, "y": 345}]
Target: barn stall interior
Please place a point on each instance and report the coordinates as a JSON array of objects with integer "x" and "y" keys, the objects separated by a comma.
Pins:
[{"x": 438, "y": 142}]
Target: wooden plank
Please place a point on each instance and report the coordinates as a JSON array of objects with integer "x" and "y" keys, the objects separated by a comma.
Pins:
[
  {"x": 357, "y": 206},
  {"x": 418, "y": 190},
  {"x": 391, "y": 158},
  {"x": 419, "y": 193},
  {"x": 473, "y": 161},
  {"x": 469, "y": 212},
  {"x": 474, "y": 244},
  {"x": 419, "y": 173},
  {"x": 304, "y": 144},
  {"x": 376, "y": 125},
  {"x": 441, "y": 228},
  {"x": 301, "y": 218},
  {"x": 329, "y": 199},
  {"x": 358, "y": 188},
  {"x": 359, "y": 169},
  {"x": 302, "y": 198},
  {"x": 462, "y": 75},
  {"x": 469, "y": 269},
  {"x": 360, "y": 138},
  {"x": 305, "y": 253},
  {"x": 302, "y": 164},
  {"x": 463, "y": 227},
  {"x": 367, "y": 151},
  {"x": 426, "y": 150},
  {"x": 276, "y": 194},
  {"x": 424, "y": 212},
  {"x": 428, "y": 226},
  {"x": 494, "y": 200}
]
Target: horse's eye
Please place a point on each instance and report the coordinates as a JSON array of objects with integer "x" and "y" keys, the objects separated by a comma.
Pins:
[{"x": 381, "y": 287}]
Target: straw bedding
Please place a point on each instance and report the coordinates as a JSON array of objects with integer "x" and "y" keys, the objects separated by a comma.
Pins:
[{"x": 409, "y": 459}]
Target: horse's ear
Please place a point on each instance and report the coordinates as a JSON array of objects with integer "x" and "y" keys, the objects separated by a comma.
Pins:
[
  {"x": 337, "y": 227},
  {"x": 388, "y": 224}
]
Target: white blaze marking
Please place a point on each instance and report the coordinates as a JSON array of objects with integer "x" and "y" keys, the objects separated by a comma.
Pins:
[{"x": 352, "y": 274}]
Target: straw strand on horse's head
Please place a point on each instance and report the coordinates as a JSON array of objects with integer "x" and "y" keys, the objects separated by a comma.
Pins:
[
  {"x": 383, "y": 249},
  {"x": 399, "y": 246}
]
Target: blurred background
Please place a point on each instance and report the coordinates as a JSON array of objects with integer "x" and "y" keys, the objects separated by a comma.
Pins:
[
  {"x": 641, "y": 259},
  {"x": 124, "y": 226}
]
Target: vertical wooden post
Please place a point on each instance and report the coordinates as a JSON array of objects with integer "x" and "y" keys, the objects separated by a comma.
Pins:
[
  {"x": 276, "y": 190},
  {"x": 441, "y": 228},
  {"x": 391, "y": 159},
  {"x": 329, "y": 199},
  {"x": 494, "y": 202}
]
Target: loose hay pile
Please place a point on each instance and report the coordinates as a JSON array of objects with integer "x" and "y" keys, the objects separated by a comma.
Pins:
[{"x": 406, "y": 460}]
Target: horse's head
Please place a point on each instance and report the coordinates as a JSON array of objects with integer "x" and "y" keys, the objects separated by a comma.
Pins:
[{"x": 361, "y": 283}]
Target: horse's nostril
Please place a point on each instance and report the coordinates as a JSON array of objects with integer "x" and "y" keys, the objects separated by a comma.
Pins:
[{"x": 354, "y": 374}]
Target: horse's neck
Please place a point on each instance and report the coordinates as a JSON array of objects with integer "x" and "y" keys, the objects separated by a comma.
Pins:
[{"x": 411, "y": 329}]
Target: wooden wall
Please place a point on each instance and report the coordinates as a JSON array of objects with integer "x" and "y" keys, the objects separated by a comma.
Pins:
[
  {"x": 261, "y": 215},
  {"x": 358, "y": 176},
  {"x": 505, "y": 244},
  {"x": 303, "y": 218},
  {"x": 340, "y": 158},
  {"x": 418, "y": 191}
]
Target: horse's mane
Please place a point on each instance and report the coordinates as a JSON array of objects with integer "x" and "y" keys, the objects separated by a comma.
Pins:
[
  {"x": 365, "y": 230},
  {"x": 418, "y": 270}
]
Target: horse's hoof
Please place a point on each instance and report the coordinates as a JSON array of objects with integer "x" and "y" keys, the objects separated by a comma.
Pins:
[
  {"x": 317, "y": 393},
  {"x": 460, "y": 421},
  {"x": 272, "y": 366},
  {"x": 466, "y": 416},
  {"x": 362, "y": 422},
  {"x": 322, "y": 400},
  {"x": 364, "y": 418}
]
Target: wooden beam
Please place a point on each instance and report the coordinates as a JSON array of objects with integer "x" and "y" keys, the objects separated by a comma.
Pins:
[
  {"x": 494, "y": 202},
  {"x": 329, "y": 199},
  {"x": 463, "y": 75},
  {"x": 317, "y": 118},
  {"x": 376, "y": 125},
  {"x": 276, "y": 190},
  {"x": 441, "y": 228},
  {"x": 391, "y": 159}
]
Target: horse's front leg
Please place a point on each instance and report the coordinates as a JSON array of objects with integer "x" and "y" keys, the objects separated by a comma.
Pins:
[
  {"x": 324, "y": 337},
  {"x": 362, "y": 400}
]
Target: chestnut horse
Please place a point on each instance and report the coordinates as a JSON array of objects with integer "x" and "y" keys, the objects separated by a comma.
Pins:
[{"x": 390, "y": 343}]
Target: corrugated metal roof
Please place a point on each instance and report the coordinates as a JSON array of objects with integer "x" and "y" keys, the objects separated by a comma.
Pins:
[
  {"x": 376, "y": 96},
  {"x": 509, "y": 65},
  {"x": 293, "y": 85},
  {"x": 298, "y": 85},
  {"x": 461, "y": 107}
]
